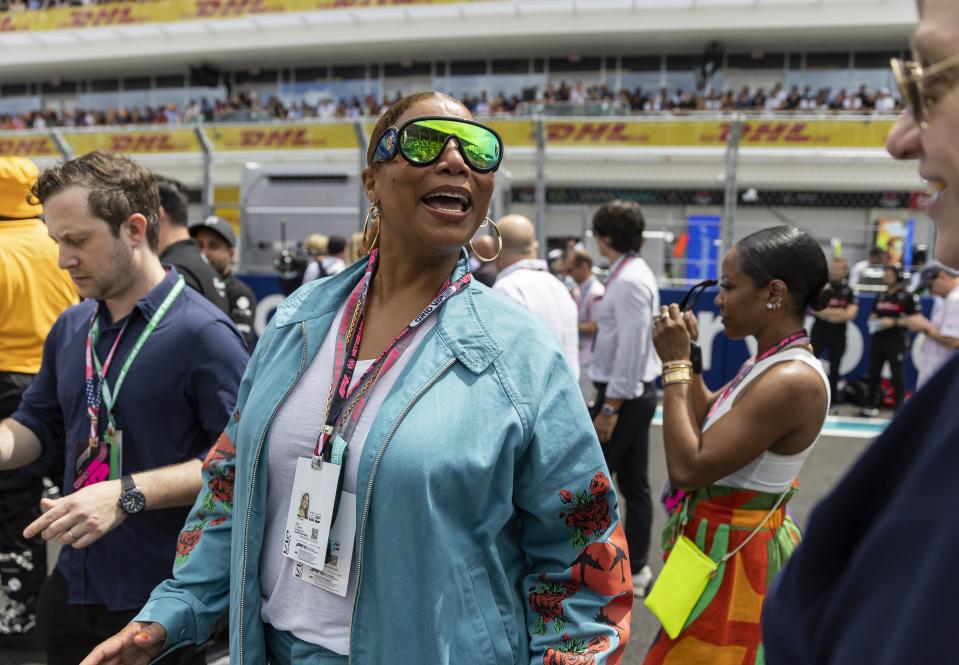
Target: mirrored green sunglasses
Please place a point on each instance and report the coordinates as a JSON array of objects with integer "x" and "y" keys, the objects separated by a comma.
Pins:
[{"x": 422, "y": 141}]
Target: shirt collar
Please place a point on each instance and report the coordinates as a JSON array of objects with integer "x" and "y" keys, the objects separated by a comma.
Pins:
[
  {"x": 523, "y": 264},
  {"x": 149, "y": 303}
]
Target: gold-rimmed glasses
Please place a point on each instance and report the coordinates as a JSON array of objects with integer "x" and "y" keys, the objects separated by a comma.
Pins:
[{"x": 909, "y": 76}]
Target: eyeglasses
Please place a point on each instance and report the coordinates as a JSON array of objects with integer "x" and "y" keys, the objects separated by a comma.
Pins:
[
  {"x": 422, "y": 141},
  {"x": 909, "y": 75},
  {"x": 692, "y": 296}
]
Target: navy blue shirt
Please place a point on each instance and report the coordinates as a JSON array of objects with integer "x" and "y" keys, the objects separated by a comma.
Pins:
[
  {"x": 175, "y": 401},
  {"x": 875, "y": 579}
]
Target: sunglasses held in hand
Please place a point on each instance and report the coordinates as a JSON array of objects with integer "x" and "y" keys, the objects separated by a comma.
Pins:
[
  {"x": 687, "y": 304},
  {"x": 421, "y": 142}
]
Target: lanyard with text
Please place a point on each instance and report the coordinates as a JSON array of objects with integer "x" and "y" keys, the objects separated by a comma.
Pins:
[
  {"x": 343, "y": 406},
  {"x": 318, "y": 482},
  {"x": 98, "y": 391},
  {"x": 800, "y": 337}
]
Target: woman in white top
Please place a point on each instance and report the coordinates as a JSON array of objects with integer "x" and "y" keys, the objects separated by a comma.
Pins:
[{"x": 734, "y": 455}]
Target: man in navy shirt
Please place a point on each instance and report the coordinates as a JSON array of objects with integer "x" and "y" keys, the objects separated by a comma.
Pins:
[
  {"x": 135, "y": 384},
  {"x": 875, "y": 580}
]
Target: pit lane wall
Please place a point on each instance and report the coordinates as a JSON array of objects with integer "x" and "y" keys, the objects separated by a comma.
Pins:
[{"x": 722, "y": 357}]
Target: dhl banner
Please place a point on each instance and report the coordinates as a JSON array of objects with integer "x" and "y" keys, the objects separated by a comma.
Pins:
[
  {"x": 516, "y": 133},
  {"x": 170, "y": 11},
  {"x": 133, "y": 141},
  {"x": 28, "y": 145},
  {"x": 766, "y": 133},
  {"x": 228, "y": 138}
]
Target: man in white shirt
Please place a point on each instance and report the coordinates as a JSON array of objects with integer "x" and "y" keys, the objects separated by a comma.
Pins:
[
  {"x": 942, "y": 331},
  {"x": 589, "y": 293},
  {"x": 527, "y": 280},
  {"x": 624, "y": 366}
]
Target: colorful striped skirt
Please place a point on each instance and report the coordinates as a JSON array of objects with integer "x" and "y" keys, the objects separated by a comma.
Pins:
[{"x": 724, "y": 627}]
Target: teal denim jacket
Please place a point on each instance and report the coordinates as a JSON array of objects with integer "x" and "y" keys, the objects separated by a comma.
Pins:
[{"x": 487, "y": 526}]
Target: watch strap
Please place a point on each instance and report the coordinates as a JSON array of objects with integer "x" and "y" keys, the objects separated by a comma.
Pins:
[{"x": 127, "y": 483}]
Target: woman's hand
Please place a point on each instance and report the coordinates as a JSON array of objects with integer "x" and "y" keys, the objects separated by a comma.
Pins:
[
  {"x": 137, "y": 644},
  {"x": 670, "y": 334},
  {"x": 692, "y": 325}
]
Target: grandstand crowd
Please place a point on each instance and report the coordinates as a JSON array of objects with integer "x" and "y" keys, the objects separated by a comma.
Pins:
[{"x": 250, "y": 106}]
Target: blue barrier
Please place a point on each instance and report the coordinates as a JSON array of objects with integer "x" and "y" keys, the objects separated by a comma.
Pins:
[{"x": 722, "y": 357}]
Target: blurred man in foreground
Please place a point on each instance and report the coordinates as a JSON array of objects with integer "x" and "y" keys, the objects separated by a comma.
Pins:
[{"x": 875, "y": 580}]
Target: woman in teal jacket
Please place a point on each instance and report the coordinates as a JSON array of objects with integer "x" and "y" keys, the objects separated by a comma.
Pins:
[{"x": 478, "y": 520}]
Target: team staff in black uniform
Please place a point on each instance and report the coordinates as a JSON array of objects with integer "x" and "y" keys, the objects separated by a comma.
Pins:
[
  {"x": 829, "y": 329},
  {"x": 890, "y": 337},
  {"x": 177, "y": 248},
  {"x": 214, "y": 236}
]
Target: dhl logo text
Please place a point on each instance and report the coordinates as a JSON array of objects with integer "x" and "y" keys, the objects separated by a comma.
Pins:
[
  {"x": 143, "y": 143},
  {"x": 221, "y": 8},
  {"x": 276, "y": 138},
  {"x": 89, "y": 18},
  {"x": 770, "y": 132},
  {"x": 593, "y": 132},
  {"x": 33, "y": 146}
]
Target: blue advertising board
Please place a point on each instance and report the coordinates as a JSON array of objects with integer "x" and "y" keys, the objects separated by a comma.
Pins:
[{"x": 722, "y": 357}]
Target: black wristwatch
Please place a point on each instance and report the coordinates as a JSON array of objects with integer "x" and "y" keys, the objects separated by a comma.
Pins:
[
  {"x": 131, "y": 499},
  {"x": 696, "y": 357}
]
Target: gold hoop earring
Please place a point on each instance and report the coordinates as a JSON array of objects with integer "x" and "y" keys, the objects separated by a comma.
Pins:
[
  {"x": 372, "y": 215},
  {"x": 499, "y": 240}
]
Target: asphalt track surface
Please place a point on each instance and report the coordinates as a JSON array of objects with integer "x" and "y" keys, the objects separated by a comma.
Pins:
[{"x": 834, "y": 453}]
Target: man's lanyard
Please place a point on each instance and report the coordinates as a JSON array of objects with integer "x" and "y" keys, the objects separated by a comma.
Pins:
[
  {"x": 798, "y": 337},
  {"x": 97, "y": 390},
  {"x": 344, "y": 405},
  {"x": 623, "y": 262}
]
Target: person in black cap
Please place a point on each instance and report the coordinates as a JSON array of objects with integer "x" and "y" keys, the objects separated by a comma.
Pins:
[
  {"x": 941, "y": 329},
  {"x": 889, "y": 336},
  {"x": 177, "y": 249},
  {"x": 214, "y": 236}
]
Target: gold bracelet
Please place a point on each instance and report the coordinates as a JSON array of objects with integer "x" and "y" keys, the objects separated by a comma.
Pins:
[
  {"x": 677, "y": 364},
  {"x": 677, "y": 376}
]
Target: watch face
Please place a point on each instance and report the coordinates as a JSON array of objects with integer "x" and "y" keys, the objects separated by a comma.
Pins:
[{"x": 133, "y": 502}]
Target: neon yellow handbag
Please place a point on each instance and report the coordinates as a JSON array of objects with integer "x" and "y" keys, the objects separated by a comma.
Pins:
[
  {"x": 685, "y": 575},
  {"x": 680, "y": 585}
]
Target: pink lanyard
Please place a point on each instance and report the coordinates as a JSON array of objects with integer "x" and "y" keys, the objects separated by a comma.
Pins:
[
  {"x": 94, "y": 380},
  {"x": 798, "y": 336},
  {"x": 344, "y": 405},
  {"x": 627, "y": 258}
]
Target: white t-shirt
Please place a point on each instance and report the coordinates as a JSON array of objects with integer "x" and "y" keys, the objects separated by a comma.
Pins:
[
  {"x": 945, "y": 316},
  {"x": 312, "y": 614},
  {"x": 530, "y": 283}
]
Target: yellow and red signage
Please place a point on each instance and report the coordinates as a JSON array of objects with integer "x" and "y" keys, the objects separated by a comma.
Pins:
[
  {"x": 766, "y": 133},
  {"x": 27, "y": 145},
  {"x": 134, "y": 141},
  {"x": 169, "y": 11},
  {"x": 264, "y": 136}
]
